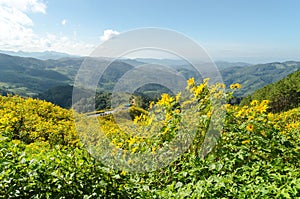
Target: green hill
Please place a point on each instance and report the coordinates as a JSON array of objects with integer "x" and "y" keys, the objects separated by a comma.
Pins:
[
  {"x": 283, "y": 95},
  {"x": 255, "y": 77},
  {"x": 29, "y": 76}
]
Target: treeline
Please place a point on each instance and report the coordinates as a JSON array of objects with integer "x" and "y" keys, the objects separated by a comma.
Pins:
[
  {"x": 62, "y": 96},
  {"x": 283, "y": 95},
  {"x": 4, "y": 92}
]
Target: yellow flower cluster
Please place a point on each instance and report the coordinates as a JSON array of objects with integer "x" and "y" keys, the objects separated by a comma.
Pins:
[
  {"x": 256, "y": 120},
  {"x": 41, "y": 124},
  {"x": 196, "y": 89},
  {"x": 165, "y": 100},
  {"x": 29, "y": 120},
  {"x": 251, "y": 111}
]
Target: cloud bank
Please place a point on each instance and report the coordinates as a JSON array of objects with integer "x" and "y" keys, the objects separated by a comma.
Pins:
[{"x": 17, "y": 30}]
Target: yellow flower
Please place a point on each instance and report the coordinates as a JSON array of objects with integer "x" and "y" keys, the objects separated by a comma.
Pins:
[
  {"x": 250, "y": 127},
  {"x": 165, "y": 100},
  {"x": 120, "y": 144},
  {"x": 270, "y": 116},
  {"x": 237, "y": 86},
  {"x": 283, "y": 132},
  {"x": 199, "y": 89},
  {"x": 168, "y": 117},
  {"x": 134, "y": 149},
  {"x": 240, "y": 113},
  {"x": 208, "y": 114},
  {"x": 131, "y": 141},
  {"x": 178, "y": 97},
  {"x": 177, "y": 111},
  {"x": 223, "y": 86},
  {"x": 129, "y": 161},
  {"x": 136, "y": 120},
  {"x": 265, "y": 102},
  {"x": 245, "y": 141},
  {"x": 153, "y": 150},
  {"x": 123, "y": 173},
  {"x": 151, "y": 105},
  {"x": 262, "y": 108},
  {"x": 16, "y": 142},
  {"x": 227, "y": 106},
  {"x": 254, "y": 102},
  {"x": 167, "y": 129},
  {"x": 191, "y": 82},
  {"x": 205, "y": 81},
  {"x": 263, "y": 134}
]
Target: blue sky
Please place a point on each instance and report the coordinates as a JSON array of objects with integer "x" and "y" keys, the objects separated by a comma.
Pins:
[{"x": 231, "y": 30}]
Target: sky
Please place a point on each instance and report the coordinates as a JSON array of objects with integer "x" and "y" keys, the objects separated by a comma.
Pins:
[{"x": 232, "y": 30}]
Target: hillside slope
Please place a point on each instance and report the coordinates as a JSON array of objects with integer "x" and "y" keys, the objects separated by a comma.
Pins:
[
  {"x": 283, "y": 95},
  {"x": 255, "y": 77},
  {"x": 29, "y": 76}
]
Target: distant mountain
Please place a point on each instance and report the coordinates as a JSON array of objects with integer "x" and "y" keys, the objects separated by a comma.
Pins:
[
  {"x": 283, "y": 95},
  {"x": 222, "y": 64},
  {"x": 28, "y": 76},
  {"x": 180, "y": 63},
  {"x": 257, "y": 76},
  {"x": 167, "y": 62},
  {"x": 38, "y": 55},
  {"x": 31, "y": 76},
  {"x": 132, "y": 62}
]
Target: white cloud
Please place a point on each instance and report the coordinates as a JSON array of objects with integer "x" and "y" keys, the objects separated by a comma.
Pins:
[
  {"x": 107, "y": 34},
  {"x": 25, "y": 5},
  {"x": 15, "y": 24},
  {"x": 65, "y": 44},
  {"x": 17, "y": 30},
  {"x": 64, "y": 22},
  {"x": 16, "y": 27}
]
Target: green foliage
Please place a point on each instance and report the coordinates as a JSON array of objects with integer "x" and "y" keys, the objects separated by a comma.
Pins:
[
  {"x": 38, "y": 171},
  {"x": 60, "y": 95},
  {"x": 256, "y": 156}
]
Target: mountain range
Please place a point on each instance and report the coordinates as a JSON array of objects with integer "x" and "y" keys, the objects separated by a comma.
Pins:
[
  {"x": 257, "y": 76},
  {"x": 28, "y": 76},
  {"x": 38, "y": 55}
]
